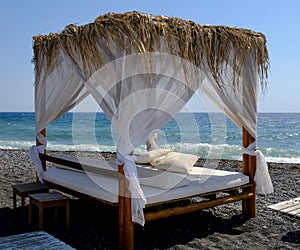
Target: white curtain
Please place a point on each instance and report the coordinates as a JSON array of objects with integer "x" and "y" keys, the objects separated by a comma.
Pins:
[
  {"x": 135, "y": 109},
  {"x": 139, "y": 93},
  {"x": 240, "y": 105}
]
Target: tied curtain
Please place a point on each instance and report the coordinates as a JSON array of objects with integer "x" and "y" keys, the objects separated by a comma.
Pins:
[{"x": 140, "y": 92}]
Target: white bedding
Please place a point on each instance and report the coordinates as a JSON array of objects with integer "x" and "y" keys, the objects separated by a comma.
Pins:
[{"x": 200, "y": 180}]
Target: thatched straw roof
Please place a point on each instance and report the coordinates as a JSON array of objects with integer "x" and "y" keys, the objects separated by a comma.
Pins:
[{"x": 183, "y": 38}]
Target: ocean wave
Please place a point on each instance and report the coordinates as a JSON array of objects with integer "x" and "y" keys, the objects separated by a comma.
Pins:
[
  {"x": 81, "y": 147},
  {"x": 203, "y": 150},
  {"x": 295, "y": 160},
  {"x": 10, "y": 144}
]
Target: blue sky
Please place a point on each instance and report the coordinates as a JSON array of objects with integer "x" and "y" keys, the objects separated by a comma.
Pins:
[{"x": 278, "y": 20}]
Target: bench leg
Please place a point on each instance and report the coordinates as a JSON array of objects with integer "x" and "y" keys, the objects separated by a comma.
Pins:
[
  {"x": 68, "y": 214},
  {"x": 22, "y": 207},
  {"x": 15, "y": 204},
  {"x": 30, "y": 213},
  {"x": 15, "y": 200},
  {"x": 56, "y": 215},
  {"x": 41, "y": 217}
]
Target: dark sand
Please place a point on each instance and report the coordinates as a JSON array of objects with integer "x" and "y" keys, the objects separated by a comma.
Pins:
[{"x": 222, "y": 227}]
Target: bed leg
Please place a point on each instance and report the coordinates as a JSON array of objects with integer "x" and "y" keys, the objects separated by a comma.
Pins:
[
  {"x": 249, "y": 205},
  {"x": 249, "y": 168},
  {"x": 126, "y": 226},
  {"x": 121, "y": 206},
  {"x": 121, "y": 224}
]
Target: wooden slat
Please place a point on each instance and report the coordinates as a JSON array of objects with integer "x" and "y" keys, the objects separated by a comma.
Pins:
[
  {"x": 290, "y": 207},
  {"x": 283, "y": 206},
  {"x": 246, "y": 187},
  {"x": 295, "y": 212},
  {"x": 81, "y": 195},
  {"x": 195, "y": 207}
]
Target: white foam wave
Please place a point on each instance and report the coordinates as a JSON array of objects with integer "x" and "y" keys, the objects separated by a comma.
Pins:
[
  {"x": 81, "y": 147},
  {"x": 295, "y": 160},
  {"x": 6, "y": 144},
  {"x": 203, "y": 150}
]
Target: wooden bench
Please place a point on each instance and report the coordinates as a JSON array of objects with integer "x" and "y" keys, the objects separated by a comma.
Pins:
[
  {"x": 23, "y": 190},
  {"x": 45, "y": 200}
]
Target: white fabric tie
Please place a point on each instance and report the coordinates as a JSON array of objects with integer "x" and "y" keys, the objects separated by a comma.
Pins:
[
  {"x": 138, "y": 200},
  {"x": 262, "y": 177},
  {"x": 42, "y": 139},
  {"x": 250, "y": 150},
  {"x": 34, "y": 156}
]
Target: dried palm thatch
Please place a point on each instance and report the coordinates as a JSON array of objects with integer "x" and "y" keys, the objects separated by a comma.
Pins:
[{"x": 186, "y": 39}]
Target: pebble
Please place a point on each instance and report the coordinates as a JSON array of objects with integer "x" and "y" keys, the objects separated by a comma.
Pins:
[{"x": 225, "y": 223}]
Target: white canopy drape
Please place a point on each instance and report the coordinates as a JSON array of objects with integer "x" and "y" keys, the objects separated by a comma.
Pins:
[{"x": 140, "y": 92}]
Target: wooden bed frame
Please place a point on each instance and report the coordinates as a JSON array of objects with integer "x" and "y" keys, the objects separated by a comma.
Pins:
[{"x": 245, "y": 193}]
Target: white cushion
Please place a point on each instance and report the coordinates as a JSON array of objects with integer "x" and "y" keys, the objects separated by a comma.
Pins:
[
  {"x": 152, "y": 177},
  {"x": 151, "y": 155},
  {"x": 175, "y": 162},
  {"x": 148, "y": 175}
]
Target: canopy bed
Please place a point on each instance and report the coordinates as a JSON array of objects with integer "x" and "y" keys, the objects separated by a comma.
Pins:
[{"x": 141, "y": 70}]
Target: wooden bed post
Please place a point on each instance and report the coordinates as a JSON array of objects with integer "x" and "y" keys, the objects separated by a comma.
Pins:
[
  {"x": 37, "y": 143},
  {"x": 249, "y": 168},
  {"x": 126, "y": 226}
]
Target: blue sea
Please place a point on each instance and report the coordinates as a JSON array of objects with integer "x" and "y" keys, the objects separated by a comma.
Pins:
[{"x": 206, "y": 135}]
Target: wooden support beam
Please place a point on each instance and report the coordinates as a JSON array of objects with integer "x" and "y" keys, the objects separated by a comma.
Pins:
[
  {"x": 121, "y": 206},
  {"x": 129, "y": 225},
  {"x": 126, "y": 226},
  {"x": 245, "y": 163},
  {"x": 195, "y": 207},
  {"x": 249, "y": 168},
  {"x": 251, "y": 162},
  {"x": 79, "y": 166}
]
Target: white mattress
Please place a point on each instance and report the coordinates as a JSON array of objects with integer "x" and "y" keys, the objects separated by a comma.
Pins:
[{"x": 201, "y": 180}]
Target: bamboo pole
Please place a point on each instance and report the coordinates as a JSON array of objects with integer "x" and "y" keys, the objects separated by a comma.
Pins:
[
  {"x": 121, "y": 206},
  {"x": 252, "y": 161},
  {"x": 245, "y": 163},
  {"x": 249, "y": 168},
  {"x": 126, "y": 226},
  {"x": 245, "y": 168},
  {"x": 195, "y": 207},
  {"x": 252, "y": 170}
]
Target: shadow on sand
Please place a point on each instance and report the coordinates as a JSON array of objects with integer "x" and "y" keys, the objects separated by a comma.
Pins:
[{"x": 93, "y": 227}]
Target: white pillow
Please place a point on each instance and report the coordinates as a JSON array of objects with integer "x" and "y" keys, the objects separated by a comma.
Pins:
[
  {"x": 151, "y": 155},
  {"x": 175, "y": 162},
  {"x": 152, "y": 177}
]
